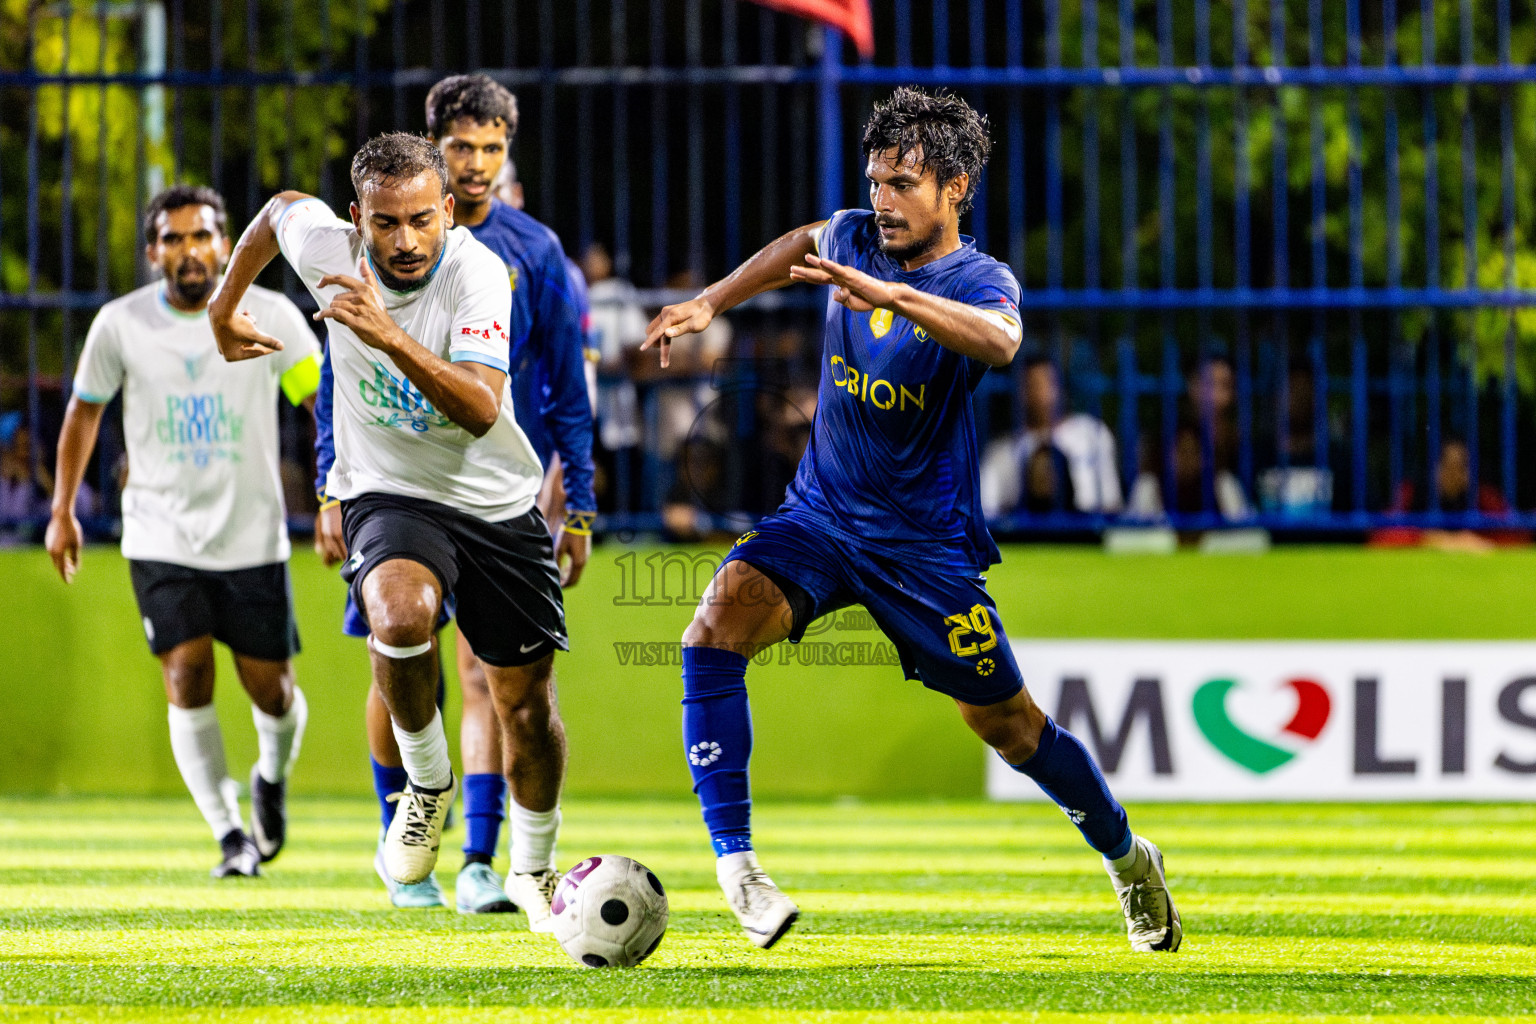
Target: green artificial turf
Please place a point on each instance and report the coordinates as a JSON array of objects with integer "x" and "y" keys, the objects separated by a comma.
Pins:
[{"x": 960, "y": 912}]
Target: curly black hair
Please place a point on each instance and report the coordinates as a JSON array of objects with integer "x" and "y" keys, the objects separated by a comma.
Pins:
[
  {"x": 177, "y": 196},
  {"x": 951, "y": 136},
  {"x": 478, "y": 97},
  {"x": 397, "y": 156}
]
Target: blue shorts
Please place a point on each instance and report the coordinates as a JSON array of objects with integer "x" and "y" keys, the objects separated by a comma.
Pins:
[{"x": 943, "y": 624}]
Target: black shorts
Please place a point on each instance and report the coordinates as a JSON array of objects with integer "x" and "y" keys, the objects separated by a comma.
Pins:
[
  {"x": 503, "y": 575},
  {"x": 250, "y": 610}
]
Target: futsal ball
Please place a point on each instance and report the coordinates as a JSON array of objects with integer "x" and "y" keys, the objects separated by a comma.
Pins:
[{"x": 610, "y": 911}]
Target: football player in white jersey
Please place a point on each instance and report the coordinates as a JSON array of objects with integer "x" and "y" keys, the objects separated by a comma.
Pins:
[
  {"x": 203, "y": 521},
  {"x": 436, "y": 481}
]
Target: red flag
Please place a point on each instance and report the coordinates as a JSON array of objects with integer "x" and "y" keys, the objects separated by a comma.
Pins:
[{"x": 849, "y": 16}]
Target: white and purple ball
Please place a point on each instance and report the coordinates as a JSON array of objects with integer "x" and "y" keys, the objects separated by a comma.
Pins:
[{"x": 610, "y": 911}]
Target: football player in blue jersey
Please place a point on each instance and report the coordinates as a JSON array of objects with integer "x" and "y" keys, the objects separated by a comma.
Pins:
[
  {"x": 472, "y": 120},
  {"x": 885, "y": 510}
]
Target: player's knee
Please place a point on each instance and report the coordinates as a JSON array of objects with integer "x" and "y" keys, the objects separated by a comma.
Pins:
[
  {"x": 700, "y": 632},
  {"x": 712, "y": 627},
  {"x": 402, "y": 618},
  {"x": 1015, "y": 735},
  {"x": 188, "y": 677},
  {"x": 525, "y": 696},
  {"x": 534, "y": 713}
]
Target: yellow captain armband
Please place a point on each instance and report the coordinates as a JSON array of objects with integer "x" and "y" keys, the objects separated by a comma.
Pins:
[
  {"x": 580, "y": 523},
  {"x": 302, "y": 379},
  {"x": 327, "y": 503}
]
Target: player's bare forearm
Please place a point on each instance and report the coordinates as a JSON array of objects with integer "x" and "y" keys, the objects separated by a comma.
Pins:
[
  {"x": 957, "y": 326},
  {"x": 961, "y": 328},
  {"x": 467, "y": 393},
  {"x": 82, "y": 423},
  {"x": 77, "y": 438},
  {"x": 764, "y": 271},
  {"x": 238, "y": 339}
]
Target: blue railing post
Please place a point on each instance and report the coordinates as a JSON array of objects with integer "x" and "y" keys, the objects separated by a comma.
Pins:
[{"x": 829, "y": 129}]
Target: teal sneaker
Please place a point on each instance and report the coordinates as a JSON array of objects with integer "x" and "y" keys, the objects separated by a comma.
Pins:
[
  {"x": 478, "y": 891},
  {"x": 425, "y": 893}
]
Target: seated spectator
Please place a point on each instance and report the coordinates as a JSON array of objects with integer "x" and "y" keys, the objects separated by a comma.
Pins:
[
  {"x": 1150, "y": 499},
  {"x": 1454, "y": 475},
  {"x": 617, "y": 329},
  {"x": 679, "y": 401},
  {"x": 1301, "y": 487},
  {"x": 699, "y": 492},
  {"x": 1208, "y": 404},
  {"x": 26, "y": 491},
  {"x": 1048, "y": 482},
  {"x": 1084, "y": 452}
]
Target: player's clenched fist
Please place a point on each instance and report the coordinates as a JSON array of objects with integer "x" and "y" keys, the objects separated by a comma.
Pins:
[
  {"x": 689, "y": 317},
  {"x": 361, "y": 308}
]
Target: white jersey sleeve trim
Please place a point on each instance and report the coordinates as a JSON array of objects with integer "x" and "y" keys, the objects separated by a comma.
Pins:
[
  {"x": 484, "y": 358},
  {"x": 1009, "y": 325},
  {"x": 285, "y": 226}
]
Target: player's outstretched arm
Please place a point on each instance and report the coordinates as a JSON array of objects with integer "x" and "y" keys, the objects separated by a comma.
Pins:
[
  {"x": 82, "y": 423},
  {"x": 984, "y": 335},
  {"x": 766, "y": 270},
  {"x": 237, "y": 334}
]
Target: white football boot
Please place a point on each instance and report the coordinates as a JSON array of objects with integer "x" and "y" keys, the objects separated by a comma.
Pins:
[
  {"x": 1151, "y": 920},
  {"x": 410, "y": 845},
  {"x": 765, "y": 913},
  {"x": 532, "y": 892}
]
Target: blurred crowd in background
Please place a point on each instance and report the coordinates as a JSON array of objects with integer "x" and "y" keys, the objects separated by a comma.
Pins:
[{"x": 698, "y": 451}]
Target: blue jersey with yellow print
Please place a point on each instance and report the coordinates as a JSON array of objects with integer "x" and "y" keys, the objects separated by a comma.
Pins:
[{"x": 892, "y": 457}]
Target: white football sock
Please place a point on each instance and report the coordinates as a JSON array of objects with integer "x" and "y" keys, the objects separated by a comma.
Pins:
[
  {"x": 732, "y": 866},
  {"x": 533, "y": 835},
  {"x": 1125, "y": 866},
  {"x": 425, "y": 753},
  {"x": 198, "y": 746},
  {"x": 278, "y": 737}
]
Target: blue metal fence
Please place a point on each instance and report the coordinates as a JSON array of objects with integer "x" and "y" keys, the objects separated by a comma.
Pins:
[{"x": 1329, "y": 198}]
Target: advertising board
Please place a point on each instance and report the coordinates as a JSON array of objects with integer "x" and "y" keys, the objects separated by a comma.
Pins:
[{"x": 1272, "y": 720}]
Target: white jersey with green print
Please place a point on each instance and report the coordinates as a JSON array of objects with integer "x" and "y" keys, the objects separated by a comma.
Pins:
[
  {"x": 204, "y": 489},
  {"x": 389, "y": 438}
]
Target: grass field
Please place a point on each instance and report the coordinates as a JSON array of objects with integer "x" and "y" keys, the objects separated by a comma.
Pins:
[{"x": 960, "y": 912}]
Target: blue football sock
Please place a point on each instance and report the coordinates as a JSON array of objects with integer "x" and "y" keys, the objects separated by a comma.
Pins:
[
  {"x": 1064, "y": 769},
  {"x": 717, "y": 735},
  {"x": 485, "y": 808},
  {"x": 387, "y": 781}
]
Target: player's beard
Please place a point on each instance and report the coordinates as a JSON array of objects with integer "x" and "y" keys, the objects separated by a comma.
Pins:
[
  {"x": 400, "y": 284},
  {"x": 192, "y": 291},
  {"x": 912, "y": 250}
]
